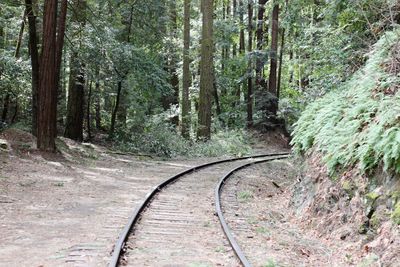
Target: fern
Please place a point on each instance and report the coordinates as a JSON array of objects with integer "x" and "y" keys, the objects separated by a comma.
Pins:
[{"x": 357, "y": 123}]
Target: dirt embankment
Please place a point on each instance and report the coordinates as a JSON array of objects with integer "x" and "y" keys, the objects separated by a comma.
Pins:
[{"x": 356, "y": 211}]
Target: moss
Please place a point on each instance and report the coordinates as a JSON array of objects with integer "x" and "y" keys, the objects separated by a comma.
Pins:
[
  {"x": 396, "y": 214},
  {"x": 375, "y": 221},
  {"x": 372, "y": 197},
  {"x": 349, "y": 188}
]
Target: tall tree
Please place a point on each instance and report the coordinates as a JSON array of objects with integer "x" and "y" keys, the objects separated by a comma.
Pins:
[
  {"x": 186, "y": 72},
  {"x": 47, "y": 93},
  {"x": 260, "y": 42},
  {"x": 206, "y": 73},
  {"x": 33, "y": 47},
  {"x": 272, "y": 86},
  {"x": 76, "y": 88},
  {"x": 249, "y": 97},
  {"x": 241, "y": 34},
  {"x": 173, "y": 61},
  {"x": 76, "y": 95}
]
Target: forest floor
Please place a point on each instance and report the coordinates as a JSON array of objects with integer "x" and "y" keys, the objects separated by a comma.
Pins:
[{"x": 68, "y": 209}]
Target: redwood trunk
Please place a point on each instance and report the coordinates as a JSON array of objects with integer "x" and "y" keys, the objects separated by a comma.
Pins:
[
  {"x": 249, "y": 97},
  {"x": 33, "y": 47},
  {"x": 186, "y": 72},
  {"x": 260, "y": 42},
  {"x": 46, "y": 130},
  {"x": 206, "y": 75},
  {"x": 76, "y": 95}
]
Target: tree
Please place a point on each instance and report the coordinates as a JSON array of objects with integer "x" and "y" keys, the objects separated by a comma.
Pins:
[
  {"x": 260, "y": 42},
  {"x": 76, "y": 88},
  {"x": 186, "y": 72},
  {"x": 33, "y": 47},
  {"x": 206, "y": 73},
  {"x": 272, "y": 85},
  {"x": 249, "y": 97},
  {"x": 48, "y": 80}
]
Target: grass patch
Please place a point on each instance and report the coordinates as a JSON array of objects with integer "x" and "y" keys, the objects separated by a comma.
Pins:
[{"x": 245, "y": 196}]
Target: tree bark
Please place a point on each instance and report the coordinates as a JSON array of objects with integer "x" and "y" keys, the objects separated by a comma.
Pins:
[
  {"x": 278, "y": 92},
  {"x": 216, "y": 96},
  {"x": 46, "y": 131},
  {"x": 241, "y": 34},
  {"x": 186, "y": 72},
  {"x": 206, "y": 76},
  {"x": 249, "y": 98},
  {"x": 116, "y": 107},
  {"x": 274, "y": 51},
  {"x": 76, "y": 95},
  {"x": 33, "y": 47},
  {"x": 234, "y": 12},
  {"x": 60, "y": 41},
  {"x": 260, "y": 42},
  {"x": 98, "y": 106},
  {"x": 88, "y": 112},
  {"x": 20, "y": 36}
]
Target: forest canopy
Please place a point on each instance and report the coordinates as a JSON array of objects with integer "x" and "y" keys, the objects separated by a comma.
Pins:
[{"x": 157, "y": 76}]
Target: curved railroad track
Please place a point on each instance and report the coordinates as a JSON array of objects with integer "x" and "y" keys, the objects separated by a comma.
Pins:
[{"x": 174, "y": 223}]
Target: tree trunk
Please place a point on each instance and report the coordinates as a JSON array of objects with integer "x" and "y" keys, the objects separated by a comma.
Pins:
[
  {"x": 260, "y": 42},
  {"x": 76, "y": 95},
  {"x": 59, "y": 52},
  {"x": 33, "y": 47},
  {"x": 98, "y": 106},
  {"x": 186, "y": 72},
  {"x": 272, "y": 86},
  {"x": 5, "y": 108},
  {"x": 278, "y": 92},
  {"x": 216, "y": 96},
  {"x": 206, "y": 75},
  {"x": 274, "y": 50},
  {"x": 234, "y": 46},
  {"x": 14, "y": 117},
  {"x": 88, "y": 113},
  {"x": 241, "y": 34},
  {"x": 116, "y": 107},
  {"x": 20, "y": 36},
  {"x": 249, "y": 98},
  {"x": 46, "y": 131}
]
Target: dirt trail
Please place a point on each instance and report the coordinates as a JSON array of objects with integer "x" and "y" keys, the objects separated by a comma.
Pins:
[{"x": 68, "y": 210}]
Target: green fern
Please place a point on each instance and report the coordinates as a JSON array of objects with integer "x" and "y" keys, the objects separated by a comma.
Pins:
[{"x": 357, "y": 123}]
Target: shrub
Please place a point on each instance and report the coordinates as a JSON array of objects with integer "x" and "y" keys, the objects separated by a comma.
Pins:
[
  {"x": 159, "y": 137},
  {"x": 359, "y": 123}
]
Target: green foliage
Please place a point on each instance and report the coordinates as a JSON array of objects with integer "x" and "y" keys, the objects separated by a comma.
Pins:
[
  {"x": 359, "y": 123},
  {"x": 244, "y": 196},
  {"x": 396, "y": 214},
  {"x": 159, "y": 137}
]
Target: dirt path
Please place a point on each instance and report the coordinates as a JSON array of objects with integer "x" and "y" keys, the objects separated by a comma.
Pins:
[
  {"x": 68, "y": 210},
  {"x": 256, "y": 206}
]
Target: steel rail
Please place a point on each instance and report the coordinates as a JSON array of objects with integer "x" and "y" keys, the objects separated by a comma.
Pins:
[
  {"x": 114, "y": 262},
  {"x": 227, "y": 231}
]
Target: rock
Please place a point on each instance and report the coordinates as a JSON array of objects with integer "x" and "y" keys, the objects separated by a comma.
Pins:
[{"x": 4, "y": 145}]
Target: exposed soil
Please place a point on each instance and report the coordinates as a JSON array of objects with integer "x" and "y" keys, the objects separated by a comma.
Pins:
[
  {"x": 256, "y": 204},
  {"x": 68, "y": 209}
]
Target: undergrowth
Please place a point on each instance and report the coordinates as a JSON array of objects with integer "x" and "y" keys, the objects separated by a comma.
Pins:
[
  {"x": 358, "y": 124},
  {"x": 160, "y": 138}
]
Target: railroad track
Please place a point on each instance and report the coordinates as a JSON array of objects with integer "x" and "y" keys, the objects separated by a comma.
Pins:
[{"x": 174, "y": 223}]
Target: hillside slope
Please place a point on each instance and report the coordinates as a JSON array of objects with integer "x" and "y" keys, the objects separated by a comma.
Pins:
[{"x": 350, "y": 188}]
